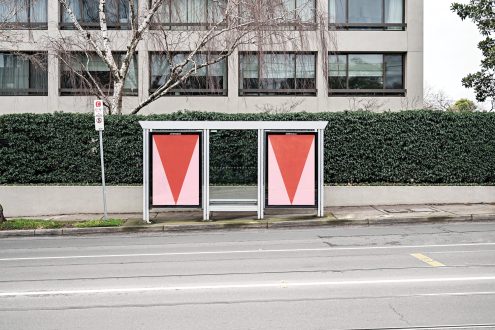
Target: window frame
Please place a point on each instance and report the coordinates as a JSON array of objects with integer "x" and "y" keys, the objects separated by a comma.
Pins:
[
  {"x": 368, "y": 92},
  {"x": 28, "y": 25},
  {"x": 369, "y": 26},
  {"x": 190, "y": 92},
  {"x": 27, "y": 91},
  {"x": 244, "y": 92},
  {"x": 84, "y": 91},
  {"x": 93, "y": 25}
]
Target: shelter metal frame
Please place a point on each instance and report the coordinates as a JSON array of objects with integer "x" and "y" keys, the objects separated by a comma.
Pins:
[{"x": 204, "y": 127}]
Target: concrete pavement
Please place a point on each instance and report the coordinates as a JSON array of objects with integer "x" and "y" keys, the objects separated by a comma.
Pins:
[
  {"x": 355, "y": 215},
  {"x": 434, "y": 276}
]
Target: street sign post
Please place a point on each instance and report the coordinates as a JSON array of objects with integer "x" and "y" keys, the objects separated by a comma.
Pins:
[{"x": 100, "y": 126}]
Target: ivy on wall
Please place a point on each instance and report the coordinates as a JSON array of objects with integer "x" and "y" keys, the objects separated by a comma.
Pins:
[{"x": 409, "y": 147}]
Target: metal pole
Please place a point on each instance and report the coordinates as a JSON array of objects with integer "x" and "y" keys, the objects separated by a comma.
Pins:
[
  {"x": 261, "y": 178},
  {"x": 321, "y": 173},
  {"x": 145, "y": 177},
  {"x": 206, "y": 174},
  {"x": 103, "y": 176}
]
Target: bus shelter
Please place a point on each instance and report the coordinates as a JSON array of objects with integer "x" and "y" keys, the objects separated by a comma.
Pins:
[{"x": 176, "y": 166}]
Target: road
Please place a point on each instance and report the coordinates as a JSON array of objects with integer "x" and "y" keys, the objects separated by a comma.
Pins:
[{"x": 425, "y": 276}]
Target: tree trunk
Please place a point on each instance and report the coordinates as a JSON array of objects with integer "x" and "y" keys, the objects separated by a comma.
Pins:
[
  {"x": 116, "y": 102},
  {"x": 2, "y": 218}
]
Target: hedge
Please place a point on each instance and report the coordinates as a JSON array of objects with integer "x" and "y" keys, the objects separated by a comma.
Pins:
[{"x": 409, "y": 147}]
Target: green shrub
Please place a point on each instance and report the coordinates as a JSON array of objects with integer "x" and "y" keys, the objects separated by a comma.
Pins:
[{"x": 410, "y": 147}]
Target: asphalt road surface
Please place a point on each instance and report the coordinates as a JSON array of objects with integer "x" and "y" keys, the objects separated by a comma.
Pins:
[{"x": 434, "y": 276}]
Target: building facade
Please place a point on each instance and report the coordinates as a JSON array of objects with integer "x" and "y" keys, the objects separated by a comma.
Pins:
[{"x": 371, "y": 57}]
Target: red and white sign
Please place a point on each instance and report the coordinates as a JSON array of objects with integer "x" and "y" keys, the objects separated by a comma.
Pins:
[{"x": 99, "y": 112}]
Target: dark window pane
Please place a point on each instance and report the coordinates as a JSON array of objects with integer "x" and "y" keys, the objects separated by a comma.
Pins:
[
  {"x": 305, "y": 83},
  {"x": 365, "y": 71},
  {"x": 249, "y": 71},
  {"x": 250, "y": 83},
  {"x": 190, "y": 14},
  {"x": 337, "y": 71},
  {"x": 278, "y": 72},
  {"x": 393, "y": 72},
  {"x": 209, "y": 79},
  {"x": 87, "y": 12},
  {"x": 215, "y": 82},
  {"x": 305, "y": 10},
  {"x": 394, "y": 11},
  {"x": 337, "y": 82},
  {"x": 23, "y": 74},
  {"x": 337, "y": 11},
  {"x": 365, "y": 11},
  {"x": 38, "y": 11},
  {"x": 38, "y": 74},
  {"x": 92, "y": 67},
  {"x": 23, "y": 11}
]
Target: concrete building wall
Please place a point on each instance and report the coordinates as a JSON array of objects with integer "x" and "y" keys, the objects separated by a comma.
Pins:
[{"x": 409, "y": 42}]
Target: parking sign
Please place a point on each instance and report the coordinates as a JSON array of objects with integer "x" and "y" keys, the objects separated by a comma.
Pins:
[{"x": 99, "y": 120}]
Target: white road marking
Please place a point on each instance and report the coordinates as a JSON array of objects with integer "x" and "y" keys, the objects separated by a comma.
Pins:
[
  {"x": 134, "y": 255},
  {"x": 459, "y": 251},
  {"x": 281, "y": 284}
]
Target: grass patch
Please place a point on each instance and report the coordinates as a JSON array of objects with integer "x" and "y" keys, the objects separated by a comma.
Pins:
[
  {"x": 30, "y": 224},
  {"x": 99, "y": 223}
]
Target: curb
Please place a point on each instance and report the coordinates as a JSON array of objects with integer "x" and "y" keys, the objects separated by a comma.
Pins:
[{"x": 210, "y": 226}]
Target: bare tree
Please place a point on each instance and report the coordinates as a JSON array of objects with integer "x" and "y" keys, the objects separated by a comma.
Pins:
[
  {"x": 436, "y": 99},
  {"x": 364, "y": 104},
  {"x": 230, "y": 25},
  {"x": 286, "y": 107}
]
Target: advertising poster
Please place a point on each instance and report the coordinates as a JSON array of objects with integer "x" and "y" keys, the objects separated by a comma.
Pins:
[
  {"x": 175, "y": 169},
  {"x": 291, "y": 170}
]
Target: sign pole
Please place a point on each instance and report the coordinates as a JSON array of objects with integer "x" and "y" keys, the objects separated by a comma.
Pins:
[
  {"x": 100, "y": 126},
  {"x": 105, "y": 217}
]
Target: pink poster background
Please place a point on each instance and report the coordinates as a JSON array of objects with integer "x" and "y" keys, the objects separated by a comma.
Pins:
[
  {"x": 277, "y": 192},
  {"x": 161, "y": 191}
]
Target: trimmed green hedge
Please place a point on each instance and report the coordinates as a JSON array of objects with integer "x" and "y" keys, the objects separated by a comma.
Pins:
[{"x": 410, "y": 147}]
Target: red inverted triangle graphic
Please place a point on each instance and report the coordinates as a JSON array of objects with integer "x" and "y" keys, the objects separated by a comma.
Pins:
[
  {"x": 175, "y": 153},
  {"x": 291, "y": 152}
]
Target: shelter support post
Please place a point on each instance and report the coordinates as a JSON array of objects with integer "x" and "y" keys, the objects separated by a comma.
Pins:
[
  {"x": 206, "y": 175},
  {"x": 261, "y": 174},
  {"x": 321, "y": 171},
  {"x": 146, "y": 176}
]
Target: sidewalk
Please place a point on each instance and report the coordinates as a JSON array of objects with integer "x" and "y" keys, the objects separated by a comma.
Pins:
[{"x": 353, "y": 215}]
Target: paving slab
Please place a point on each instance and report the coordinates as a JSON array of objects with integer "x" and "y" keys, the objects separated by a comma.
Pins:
[
  {"x": 354, "y": 212},
  {"x": 467, "y": 208}
]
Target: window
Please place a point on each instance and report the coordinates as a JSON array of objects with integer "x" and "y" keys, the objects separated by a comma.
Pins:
[
  {"x": 366, "y": 14},
  {"x": 190, "y": 14},
  {"x": 24, "y": 14},
  {"x": 79, "y": 69},
  {"x": 209, "y": 80},
  {"x": 366, "y": 74},
  {"x": 282, "y": 14},
  {"x": 277, "y": 74},
  {"x": 23, "y": 74},
  {"x": 86, "y": 12}
]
